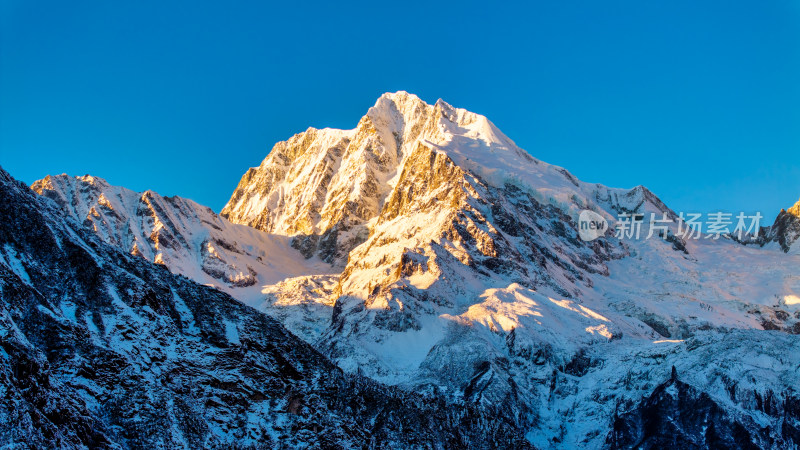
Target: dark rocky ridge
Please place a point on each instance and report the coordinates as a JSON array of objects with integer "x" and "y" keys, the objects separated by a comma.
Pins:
[
  {"x": 676, "y": 415},
  {"x": 786, "y": 228},
  {"x": 101, "y": 349}
]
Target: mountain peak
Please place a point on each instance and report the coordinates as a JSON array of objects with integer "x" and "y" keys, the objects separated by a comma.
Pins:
[
  {"x": 794, "y": 210},
  {"x": 786, "y": 229},
  {"x": 396, "y": 108},
  {"x": 399, "y": 96},
  {"x": 65, "y": 178},
  {"x": 325, "y": 186},
  {"x": 443, "y": 104}
]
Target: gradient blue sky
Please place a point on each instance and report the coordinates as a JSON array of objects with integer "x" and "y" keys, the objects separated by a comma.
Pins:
[{"x": 697, "y": 100}]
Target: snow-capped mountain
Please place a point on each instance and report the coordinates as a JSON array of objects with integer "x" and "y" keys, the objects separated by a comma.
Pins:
[
  {"x": 101, "y": 349},
  {"x": 465, "y": 275},
  {"x": 325, "y": 186},
  {"x": 457, "y": 271}
]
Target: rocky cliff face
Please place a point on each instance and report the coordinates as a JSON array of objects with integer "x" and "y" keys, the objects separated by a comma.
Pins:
[
  {"x": 786, "y": 228},
  {"x": 323, "y": 186},
  {"x": 102, "y": 349},
  {"x": 676, "y": 415}
]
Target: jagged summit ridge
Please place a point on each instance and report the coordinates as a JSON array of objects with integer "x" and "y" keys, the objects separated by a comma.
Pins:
[
  {"x": 324, "y": 187},
  {"x": 188, "y": 238}
]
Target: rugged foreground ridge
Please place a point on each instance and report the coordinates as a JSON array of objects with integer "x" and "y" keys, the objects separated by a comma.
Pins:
[{"x": 103, "y": 349}]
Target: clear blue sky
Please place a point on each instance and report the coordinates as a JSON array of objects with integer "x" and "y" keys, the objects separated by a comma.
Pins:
[{"x": 698, "y": 100}]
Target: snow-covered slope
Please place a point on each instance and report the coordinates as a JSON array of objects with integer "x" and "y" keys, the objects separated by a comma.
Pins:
[
  {"x": 188, "y": 238},
  {"x": 191, "y": 240},
  {"x": 101, "y": 349},
  {"x": 464, "y": 274}
]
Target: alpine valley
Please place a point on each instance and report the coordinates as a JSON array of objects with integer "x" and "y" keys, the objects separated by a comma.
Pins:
[{"x": 415, "y": 282}]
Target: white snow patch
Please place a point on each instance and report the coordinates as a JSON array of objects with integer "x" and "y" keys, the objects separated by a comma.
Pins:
[
  {"x": 232, "y": 332},
  {"x": 15, "y": 264},
  {"x": 68, "y": 310}
]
